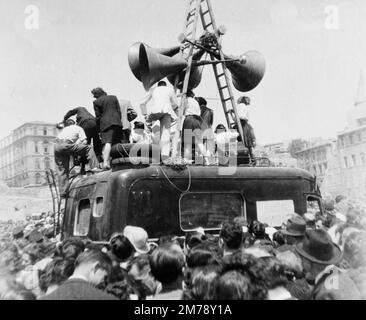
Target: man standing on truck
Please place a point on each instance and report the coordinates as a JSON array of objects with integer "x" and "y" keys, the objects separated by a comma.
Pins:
[
  {"x": 248, "y": 132},
  {"x": 71, "y": 141},
  {"x": 109, "y": 120},
  {"x": 88, "y": 122},
  {"x": 162, "y": 109}
]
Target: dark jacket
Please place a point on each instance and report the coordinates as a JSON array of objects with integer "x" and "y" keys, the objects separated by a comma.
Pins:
[
  {"x": 207, "y": 117},
  {"x": 336, "y": 284},
  {"x": 107, "y": 112},
  {"x": 82, "y": 115},
  {"x": 77, "y": 289}
]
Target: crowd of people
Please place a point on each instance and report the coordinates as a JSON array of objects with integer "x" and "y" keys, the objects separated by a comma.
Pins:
[
  {"x": 91, "y": 137},
  {"x": 312, "y": 256}
]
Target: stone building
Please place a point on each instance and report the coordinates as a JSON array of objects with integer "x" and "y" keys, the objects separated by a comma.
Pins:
[
  {"x": 26, "y": 153},
  {"x": 346, "y": 169},
  {"x": 315, "y": 158},
  {"x": 278, "y": 154},
  {"x": 352, "y": 148}
]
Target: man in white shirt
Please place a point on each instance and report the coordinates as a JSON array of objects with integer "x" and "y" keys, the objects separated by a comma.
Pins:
[
  {"x": 162, "y": 108},
  {"x": 71, "y": 141},
  {"x": 248, "y": 132}
]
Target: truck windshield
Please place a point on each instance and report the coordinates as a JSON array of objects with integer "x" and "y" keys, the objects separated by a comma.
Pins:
[
  {"x": 274, "y": 212},
  {"x": 209, "y": 210}
]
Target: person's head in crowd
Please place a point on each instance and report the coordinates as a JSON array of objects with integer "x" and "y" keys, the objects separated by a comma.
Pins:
[
  {"x": 292, "y": 264},
  {"x": 310, "y": 220},
  {"x": 339, "y": 198},
  {"x": 258, "y": 230},
  {"x": 166, "y": 263},
  {"x": 317, "y": 251},
  {"x": 169, "y": 239},
  {"x": 354, "y": 250},
  {"x": 98, "y": 92},
  {"x": 139, "y": 272},
  {"x": 93, "y": 266},
  {"x": 220, "y": 128},
  {"x": 18, "y": 233},
  {"x": 241, "y": 221},
  {"x": 10, "y": 262},
  {"x": 35, "y": 236},
  {"x": 122, "y": 290},
  {"x": 193, "y": 239},
  {"x": 201, "y": 256},
  {"x": 344, "y": 233},
  {"x": 353, "y": 217},
  {"x": 56, "y": 273},
  {"x": 328, "y": 205},
  {"x": 249, "y": 265},
  {"x": 121, "y": 247},
  {"x": 295, "y": 229},
  {"x": 279, "y": 239},
  {"x": 233, "y": 285},
  {"x": 201, "y": 284},
  {"x": 231, "y": 237},
  {"x": 70, "y": 248},
  {"x": 31, "y": 254},
  {"x": 276, "y": 278},
  {"x": 11, "y": 290},
  {"x": 138, "y": 238}
]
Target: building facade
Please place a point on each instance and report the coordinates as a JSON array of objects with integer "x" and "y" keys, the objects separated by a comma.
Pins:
[
  {"x": 315, "y": 158},
  {"x": 278, "y": 154},
  {"x": 26, "y": 153},
  {"x": 341, "y": 164}
]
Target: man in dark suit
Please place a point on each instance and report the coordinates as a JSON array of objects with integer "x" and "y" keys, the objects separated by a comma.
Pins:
[
  {"x": 109, "y": 119},
  {"x": 206, "y": 127},
  {"x": 88, "y": 122},
  {"x": 92, "y": 269}
]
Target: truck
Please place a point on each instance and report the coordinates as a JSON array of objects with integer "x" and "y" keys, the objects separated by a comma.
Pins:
[{"x": 166, "y": 201}]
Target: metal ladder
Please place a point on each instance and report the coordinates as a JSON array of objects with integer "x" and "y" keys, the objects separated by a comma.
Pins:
[
  {"x": 190, "y": 27},
  {"x": 56, "y": 200},
  {"x": 203, "y": 9}
]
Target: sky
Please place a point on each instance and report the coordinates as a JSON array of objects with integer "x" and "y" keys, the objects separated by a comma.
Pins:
[{"x": 314, "y": 51}]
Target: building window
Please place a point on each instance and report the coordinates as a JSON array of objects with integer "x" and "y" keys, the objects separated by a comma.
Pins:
[
  {"x": 351, "y": 139},
  {"x": 35, "y": 131},
  {"x": 45, "y": 131},
  {"x": 45, "y": 147},
  {"x": 354, "y": 160},
  {"x": 38, "y": 178},
  {"x": 359, "y": 136},
  {"x": 346, "y": 162},
  {"x": 37, "y": 164},
  {"x": 47, "y": 163},
  {"x": 363, "y": 161},
  {"x": 36, "y": 147}
]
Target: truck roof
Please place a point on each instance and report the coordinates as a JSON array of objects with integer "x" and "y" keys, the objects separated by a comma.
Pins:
[{"x": 215, "y": 172}]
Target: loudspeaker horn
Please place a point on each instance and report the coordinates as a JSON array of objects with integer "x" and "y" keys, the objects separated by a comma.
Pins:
[{"x": 133, "y": 56}]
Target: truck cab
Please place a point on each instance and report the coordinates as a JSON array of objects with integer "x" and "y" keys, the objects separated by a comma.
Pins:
[{"x": 167, "y": 201}]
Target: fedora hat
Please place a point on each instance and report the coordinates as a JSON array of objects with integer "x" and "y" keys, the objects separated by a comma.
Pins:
[
  {"x": 318, "y": 247},
  {"x": 295, "y": 226},
  {"x": 138, "y": 238}
]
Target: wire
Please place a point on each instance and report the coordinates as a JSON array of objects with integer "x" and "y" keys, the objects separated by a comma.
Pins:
[{"x": 180, "y": 190}]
